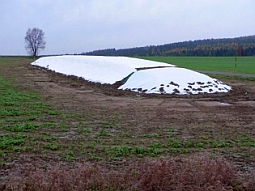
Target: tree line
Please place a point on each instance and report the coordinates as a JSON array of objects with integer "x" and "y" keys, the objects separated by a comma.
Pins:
[{"x": 240, "y": 46}]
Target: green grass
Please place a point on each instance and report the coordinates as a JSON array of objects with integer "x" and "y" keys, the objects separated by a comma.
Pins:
[
  {"x": 245, "y": 65},
  {"x": 22, "y": 116},
  {"x": 11, "y": 61}
]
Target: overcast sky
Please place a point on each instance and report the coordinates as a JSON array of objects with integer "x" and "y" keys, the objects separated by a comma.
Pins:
[{"x": 75, "y": 26}]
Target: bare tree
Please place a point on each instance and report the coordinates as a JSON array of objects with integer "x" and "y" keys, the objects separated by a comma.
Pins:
[{"x": 34, "y": 41}]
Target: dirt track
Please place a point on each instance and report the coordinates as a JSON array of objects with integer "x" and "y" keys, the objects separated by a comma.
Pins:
[{"x": 228, "y": 74}]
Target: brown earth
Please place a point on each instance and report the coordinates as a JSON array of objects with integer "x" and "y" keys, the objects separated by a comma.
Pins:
[{"x": 191, "y": 117}]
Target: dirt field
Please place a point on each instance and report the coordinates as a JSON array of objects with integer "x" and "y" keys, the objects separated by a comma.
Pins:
[{"x": 219, "y": 124}]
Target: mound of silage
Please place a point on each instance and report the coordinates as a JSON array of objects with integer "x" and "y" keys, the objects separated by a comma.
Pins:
[
  {"x": 102, "y": 69},
  {"x": 155, "y": 77},
  {"x": 173, "y": 80}
]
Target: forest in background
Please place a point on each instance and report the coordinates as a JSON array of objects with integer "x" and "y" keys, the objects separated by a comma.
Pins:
[{"x": 240, "y": 46}]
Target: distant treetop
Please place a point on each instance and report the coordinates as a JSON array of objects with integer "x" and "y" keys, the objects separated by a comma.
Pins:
[{"x": 34, "y": 41}]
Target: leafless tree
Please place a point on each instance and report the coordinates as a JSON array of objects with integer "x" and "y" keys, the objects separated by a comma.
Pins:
[{"x": 34, "y": 41}]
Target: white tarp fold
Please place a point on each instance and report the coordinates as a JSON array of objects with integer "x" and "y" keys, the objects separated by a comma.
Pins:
[{"x": 173, "y": 80}]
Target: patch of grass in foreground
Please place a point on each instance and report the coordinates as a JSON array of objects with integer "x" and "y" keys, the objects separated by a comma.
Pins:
[
  {"x": 245, "y": 65},
  {"x": 22, "y": 115}
]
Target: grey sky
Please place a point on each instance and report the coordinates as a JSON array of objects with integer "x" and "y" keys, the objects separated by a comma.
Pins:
[{"x": 75, "y": 26}]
